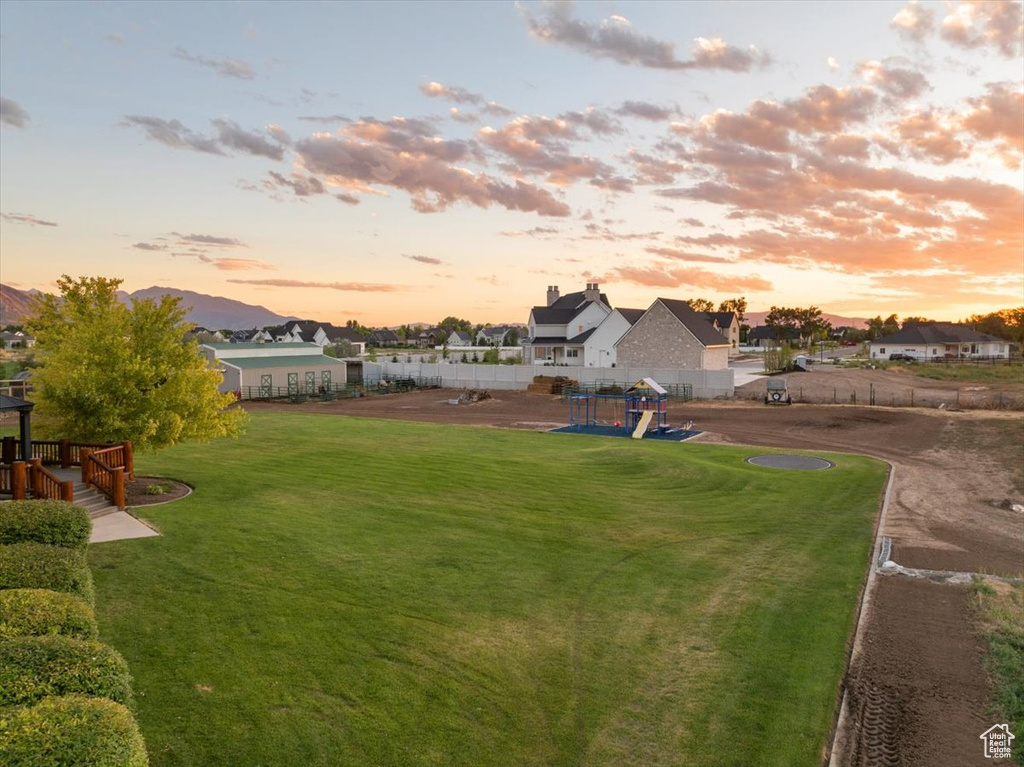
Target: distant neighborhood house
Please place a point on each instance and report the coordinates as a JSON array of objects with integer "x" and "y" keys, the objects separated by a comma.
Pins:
[
  {"x": 940, "y": 340},
  {"x": 558, "y": 331},
  {"x": 16, "y": 340}
]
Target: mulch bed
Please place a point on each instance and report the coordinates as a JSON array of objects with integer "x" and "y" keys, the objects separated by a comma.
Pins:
[{"x": 142, "y": 491}]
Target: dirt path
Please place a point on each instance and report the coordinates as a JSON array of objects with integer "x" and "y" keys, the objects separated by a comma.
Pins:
[{"x": 918, "y": 691}]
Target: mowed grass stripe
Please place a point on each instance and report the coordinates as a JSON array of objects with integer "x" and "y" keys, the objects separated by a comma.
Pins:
[{"x": 351, "y": 591}]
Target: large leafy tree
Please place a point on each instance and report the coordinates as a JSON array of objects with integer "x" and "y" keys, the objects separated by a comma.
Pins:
[
  {"x": 736, "y": 305},
  {"x": 700, "y": 304},
  {"x": 111, "y": 372}
]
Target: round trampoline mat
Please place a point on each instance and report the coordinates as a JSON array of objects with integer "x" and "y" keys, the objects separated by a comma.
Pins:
[{"x": 789, "y": 461}]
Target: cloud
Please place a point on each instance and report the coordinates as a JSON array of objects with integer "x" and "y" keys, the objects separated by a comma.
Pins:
[
  {"x": 450, "y": 93},
  {"x": 348, "y": 199},
  {"x": 695, "y": 277},
  {"x": 832, "y": 63},
  {"x": 173, "y": 134},
  {"x": 357, "y": 287},
  {"x": 224, "y": 67},
  {"x": 998, "y": 116},
  {"x": 238, "y": 264},
  {"x": 899, "y": 83},
  {"x": 370, "y": 155},
  {"x": 326, "y": 118},
  {"x": 462, "y": 96},
  {"x": 231, "y": 135},
  {"x": 279, "y": 134},
  {"x": 537, "y": 231},
  {"x": 914, "y": 22},
  {"x": 114, "y": 38},
  {"x": 11, "y": 113},
  {"x": 997, "y": 24},
  {"x": 685, "y": 255},
  {"x": 26, "y": 218},
  {"x": 593, "y": 119},
  {"x": 539, "y": 145},
  {"x": 463, "y": 117},
  {"x": 614, "y": 38},
  {"x": 209, "y": 239},
  {"x": 425, "y": 260},
  {"x": 645, "y": 111},
  {"x": 149, "y": 246},
  {"x": 302, "y": 186}
]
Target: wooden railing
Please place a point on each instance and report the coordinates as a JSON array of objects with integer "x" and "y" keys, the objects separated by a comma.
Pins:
[
  {"x": 100, "y": 469},
  {"x": 61, "y": 452},
  {"x": 23, "y": 480},
  {"x": 103, "y": 467}
]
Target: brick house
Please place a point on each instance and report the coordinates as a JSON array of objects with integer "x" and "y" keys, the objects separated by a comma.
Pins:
[{"x": 671, "y": 334}]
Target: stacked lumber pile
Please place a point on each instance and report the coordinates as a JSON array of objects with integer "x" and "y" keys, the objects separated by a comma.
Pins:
[{"x": 549, "y": 384}]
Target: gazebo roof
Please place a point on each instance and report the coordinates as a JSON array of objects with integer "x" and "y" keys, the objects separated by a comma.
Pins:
[{"x": 13, "y": 403}]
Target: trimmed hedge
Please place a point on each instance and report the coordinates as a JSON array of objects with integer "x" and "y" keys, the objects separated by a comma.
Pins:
[
  {"x": 41, "y": 612},
  {"x": 41, "y": 566},
  {"x": 69, "y": 731},
  {"x": 58, "y": 523},
  {"x": 32, "y": 668}
]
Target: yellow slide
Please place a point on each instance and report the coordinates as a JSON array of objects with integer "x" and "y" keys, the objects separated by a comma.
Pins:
[{"x": 645, "y": 420}]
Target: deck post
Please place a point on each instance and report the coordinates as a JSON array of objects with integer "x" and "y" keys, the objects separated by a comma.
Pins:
[
  {"x": 67, "y": 491},
  {"x": 64, "y": 453},
  {"x": 18, "y": 480},
  {"x": 9, "y": 450},
  {"x": 86, "y": 469},
  {"x": 35, "y": 477},
  {"x": 129, "y": 459},
  {"x": 117, "y": 481}
]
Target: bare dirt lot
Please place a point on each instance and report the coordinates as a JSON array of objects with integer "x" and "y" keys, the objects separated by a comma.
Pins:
[{"x": 918, "y": 691}]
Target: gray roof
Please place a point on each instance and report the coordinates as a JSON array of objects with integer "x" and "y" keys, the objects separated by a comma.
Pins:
[
  {"x": 766, "y": 332},
  {"x": 694, "y": 322},
  {"x": 255, "y": 345},
  {"x": 564, "y": 309},
  {"x": 631, "y": 315},
  {"x": 306, "y": 361},
  {"x": 724, "y": 319},
  {"x": 938, "y": 333}
]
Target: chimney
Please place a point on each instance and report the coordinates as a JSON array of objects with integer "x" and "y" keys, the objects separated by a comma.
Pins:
[
  {"x": 552, "y": 294},
  {"x": 592, "y": 293}
]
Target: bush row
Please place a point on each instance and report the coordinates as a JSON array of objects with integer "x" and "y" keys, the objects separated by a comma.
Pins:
[
  {"x": 64, "y": 697},
  {"x": 42, "y": 566},
  {"x": 71, "y": 730},
  {"x": 32, "y": 668},
  {"x": 41, "y": 612},
  {"x": 55, "y": 522}
]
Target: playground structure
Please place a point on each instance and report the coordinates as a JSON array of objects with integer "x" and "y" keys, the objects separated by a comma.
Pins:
[{"x": 644, "y": 412}]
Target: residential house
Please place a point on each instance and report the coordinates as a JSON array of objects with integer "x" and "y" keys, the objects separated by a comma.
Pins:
[
  {"x": 459, "y": 338},
  {"x": 599, "y": 347},
  {"x": 499, "y": 335},
  {"x": 940, "y": 340},
  {"x": 251, "y": 336},
  {"x": 767, "y": 335},
  {"x": 671, "y": 334},
  {"x": 728, "y": 324},
  {"x": 259, "y": 369},
  {"x": 16, "y": 340},
  {"x": 384, "y": 338},
  {"x": 559, "y": 330}
]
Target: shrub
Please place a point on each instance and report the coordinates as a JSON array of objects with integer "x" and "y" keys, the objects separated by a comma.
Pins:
[
  {"x": 40, "y": 566},
  {"x": 71, "y": 730},
  {"x": 55, "y": 522},
  {"x": 32, "y": 668},
  {"x": 41, "y": 612}
]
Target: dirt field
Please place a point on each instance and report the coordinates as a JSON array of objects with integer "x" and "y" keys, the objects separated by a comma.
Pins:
[{"x": 919, "y": 692}]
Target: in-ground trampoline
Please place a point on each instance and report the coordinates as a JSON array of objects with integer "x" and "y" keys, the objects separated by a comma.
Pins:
[{"x": 790, "y": 461}]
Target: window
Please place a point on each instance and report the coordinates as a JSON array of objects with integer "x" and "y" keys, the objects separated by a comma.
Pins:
[
  {"x": 266, "y": 385},
  {"x": 293, "y": 383},
  {"x": 572, "y": 353}
]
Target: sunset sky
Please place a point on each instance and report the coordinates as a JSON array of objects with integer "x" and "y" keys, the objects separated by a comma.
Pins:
[{"x": 397, "y": 162}]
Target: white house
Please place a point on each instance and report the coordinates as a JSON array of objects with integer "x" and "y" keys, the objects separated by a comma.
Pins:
[
  {"x": 459, "y": 338},
  {"x": 939, "y": 340},
  {"x": 559, "y": 330},
  {"x": 599, "y": 347}
]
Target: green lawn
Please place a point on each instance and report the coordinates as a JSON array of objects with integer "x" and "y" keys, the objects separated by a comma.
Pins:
[{"x": 349, "y": 591}]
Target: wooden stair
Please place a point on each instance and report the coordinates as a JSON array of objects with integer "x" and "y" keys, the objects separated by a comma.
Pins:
[{"x": 93, "y": 501}]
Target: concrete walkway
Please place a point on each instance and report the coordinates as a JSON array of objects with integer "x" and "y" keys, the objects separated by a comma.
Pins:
[{"x": 108, "y": 522}]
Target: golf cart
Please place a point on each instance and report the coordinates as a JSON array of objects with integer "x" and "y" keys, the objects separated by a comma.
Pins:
[{"x": 777, "y": 393}]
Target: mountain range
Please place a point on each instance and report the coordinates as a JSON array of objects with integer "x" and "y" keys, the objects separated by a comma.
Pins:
[
  {"x": 212, "y": 312},
  {"x": 216, "y": 313}
]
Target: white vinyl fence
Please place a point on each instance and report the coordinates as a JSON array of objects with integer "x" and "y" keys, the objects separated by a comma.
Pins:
[{"x": 707, "y": 384}]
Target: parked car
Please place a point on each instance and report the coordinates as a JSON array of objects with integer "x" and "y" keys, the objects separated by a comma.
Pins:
[
  {"x": 901, "y": 356},
  {"x": 778, "y": 392}
]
